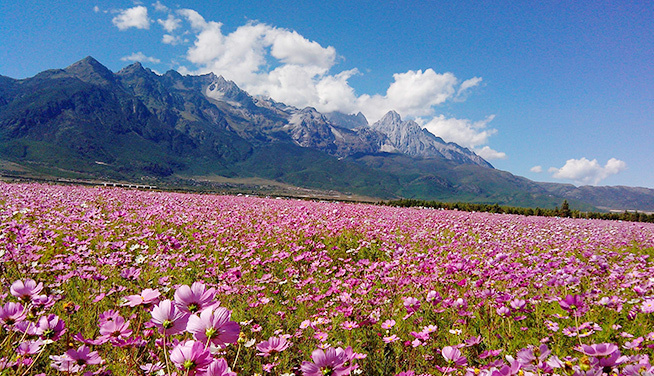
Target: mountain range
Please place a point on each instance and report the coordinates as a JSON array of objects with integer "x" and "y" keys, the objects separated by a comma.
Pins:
[{"x": 85, "y": 121}]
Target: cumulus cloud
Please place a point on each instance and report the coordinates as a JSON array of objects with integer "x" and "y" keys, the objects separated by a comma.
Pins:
[
  {"x": 536, "y": 169},
  {"x": 172, "y": 39},
  {"x": 287, "y": 67},
  {"x": 584, "y": 171},
  {"x": 461, "y": 131},
  {"x": 160, "y": 7},
  {"x": 170, "y": 24},
  {"x": 412, "y": 93},
  {"x": 489, "y": 154},
  {"x": 141, "y": 57},
  {"x": 133, "y": 17}
]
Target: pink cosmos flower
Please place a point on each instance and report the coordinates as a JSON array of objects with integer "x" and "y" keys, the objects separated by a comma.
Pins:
[
  {"x": 191, "y": 357},
  {"x": 50, "y": 327},
  {"x": 453, "y": 355},
  {"x": 169, "y": 318},
  {"x": 388, "y": 324},
  {"x": 214, "y": 326},
  {"x": 332, "y": 361},
  {"x": 75, "y": 360},
  {"x": 152, "y": 367},
  {"x": 84, "y": 355},
  {"x": 647, "y": 306},
  {"x": 273, "y": 345},
  {"x": 574, "y": 304},
  {"x": 391, "y": 339},
  {"x": 109, "y": 315},
  {"x": 195, "y": 298},
  {"x": 599, "y": 349},
  {"x": 518, "y": 304},
  {"x": 349, "y": 325},
  {"x": 29, "y": 347},
  {"x": 12, "y": 313},
  {"x": 411, "y": 304},
  {"x": 503, "y": 311},
  {"x": 25, "y": 290},
  {"x": 115, "y": 329},
  {"x": 420, "y": 335},
  {"x": 219, "y": 367},
  {"x": 269, "y": 367},
  {"x": 320, "y": 336},
  {"x": 147, "y": 297}
]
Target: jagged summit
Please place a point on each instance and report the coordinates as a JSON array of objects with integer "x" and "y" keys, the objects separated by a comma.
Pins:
[
  {"x": 91, "y": 71},
  {"x": 410, "y": 138}
]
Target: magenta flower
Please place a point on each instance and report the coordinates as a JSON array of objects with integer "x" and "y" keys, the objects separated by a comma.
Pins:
[
  {"x": 147, "y": 297},
  {"x": 191, "y": 357},
  {"x": 391, "y": 338},
  {"x": 25, "y": 290},
  {"x": 109, "y": 315},
  {"x": 453, "y": 355},
  {"x": 50, "y": 327},
  {"x": 195, "y": 298},
  {"x": 12, "y": 313},
  {"x": 647, "y": 306},
  {"x": 332, "y": 361},
  {"x": 83, "y": 355},
  {"x": 388, "y": 324},
  {"x": 169, "y": 318},
  {"x": 75, "y": 360},
  {"x": 219, "y": 367},
  {"x": 273, "y": 345},
  {"x": 600, "y": 349},
  {"x": 574, "y": 304},
  {"x": 152, "y": 367},
  {"x": 411, "y": 304},
  {"x": 115, "y": 329},
  {"x": 214, "y": 326},
  {"x": 29, "y": 347}
]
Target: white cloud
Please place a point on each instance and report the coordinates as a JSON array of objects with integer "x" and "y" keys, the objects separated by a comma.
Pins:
[
  {"x": 461, "y": 131},
  {"x": 96, "y": 9},
  {"x": 291, "y": 48},
  {"x": 172, "y": 39},
  {"x": 465, "y": 87},
  {"x": 133, "y": 17},
  {"x": 536, "y": 169},
  {"x": 170, "y": 24},
  {"x": 414, "y": 93},
  {"x": 489, "y": 154},
  {"x": 140, "y": 56},
  {"x": 160, "y": 7},
  {"x": 584, "y": 171}
]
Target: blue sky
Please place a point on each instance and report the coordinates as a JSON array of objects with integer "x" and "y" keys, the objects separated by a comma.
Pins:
[{"x": 553, "y": 91}]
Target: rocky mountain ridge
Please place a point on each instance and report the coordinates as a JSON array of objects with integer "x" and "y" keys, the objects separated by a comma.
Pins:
[{"x": 85, "y": 120}]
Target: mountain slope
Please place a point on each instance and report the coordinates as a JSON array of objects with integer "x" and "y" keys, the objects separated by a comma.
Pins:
[{"x": 136, "y": 125}]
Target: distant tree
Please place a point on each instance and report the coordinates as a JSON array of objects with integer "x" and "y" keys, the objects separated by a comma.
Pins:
[{"x": 565, "y": 209}]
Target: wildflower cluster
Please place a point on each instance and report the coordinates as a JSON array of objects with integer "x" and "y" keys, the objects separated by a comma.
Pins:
[{"x": 97, "y": 281}]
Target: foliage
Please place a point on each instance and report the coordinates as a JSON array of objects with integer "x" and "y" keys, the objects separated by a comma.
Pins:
[{"x": 564, "y": 211}]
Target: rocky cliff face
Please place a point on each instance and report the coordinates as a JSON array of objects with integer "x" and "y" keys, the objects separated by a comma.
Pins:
[{"x": 411, "y": 139}]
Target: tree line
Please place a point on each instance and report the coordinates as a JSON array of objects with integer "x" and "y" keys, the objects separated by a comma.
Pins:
[{"x": 563, "y": 211}]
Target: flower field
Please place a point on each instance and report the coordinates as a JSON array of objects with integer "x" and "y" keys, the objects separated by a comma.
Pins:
[{"x": 98, "y": 281}]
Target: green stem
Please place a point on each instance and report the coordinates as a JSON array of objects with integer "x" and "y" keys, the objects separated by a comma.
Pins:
[
  {"x": 236, "y": 358},
  {"x": 165, "y": 350}
]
